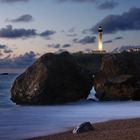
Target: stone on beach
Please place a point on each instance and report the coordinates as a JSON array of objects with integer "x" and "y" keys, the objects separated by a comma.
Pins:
[{"x": 84, "y": 127}]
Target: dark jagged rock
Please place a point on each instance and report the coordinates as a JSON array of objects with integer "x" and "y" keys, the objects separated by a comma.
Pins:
[
  {"x": 84, "y": 127},
  {"x": 52, "y": 79},
  {"x": 119, "y": 77}
]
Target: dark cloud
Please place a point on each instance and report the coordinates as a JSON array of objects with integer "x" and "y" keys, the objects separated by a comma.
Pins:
[
  {"x": 23, "y": 18},
  {"x": 66, "y": 46},
  {"x": 107, "y": 5},
  {"x": 9, "y": 32},
  {"x": 108, "y": 41},
  {"x": 127, "y": 21},
  {"x": 118, "y": 38},
  {"x": 47, "y": 33},
  {"x": 3, "y": 46},
  {"x": 54, "y": 46},
  {"x": 125, "y": 48},
  {"x": 57, "y": 46},
  {"x": 7, "y": 51},
  {"x": 86, "y": 40},
  {"x": 21, "y": 61},
  {"x": 13, "y": 1}
]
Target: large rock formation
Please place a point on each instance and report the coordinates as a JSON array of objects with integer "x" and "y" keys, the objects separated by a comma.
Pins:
[
  {"x": 92, "y": 61},
  {"x": 52, "y": 79},
  {"x": 84, "y": 127},
  {"x": 119, "y": 77}
]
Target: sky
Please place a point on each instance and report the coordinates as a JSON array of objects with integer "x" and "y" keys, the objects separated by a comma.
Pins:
[{"x": 30, "y": 28}]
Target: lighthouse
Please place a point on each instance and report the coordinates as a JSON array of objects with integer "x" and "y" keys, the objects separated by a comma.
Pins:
[{"x": 100, "y": 43}]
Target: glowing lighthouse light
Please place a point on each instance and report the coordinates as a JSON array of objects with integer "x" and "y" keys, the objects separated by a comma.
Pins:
[{"x": 100, "y": 43}]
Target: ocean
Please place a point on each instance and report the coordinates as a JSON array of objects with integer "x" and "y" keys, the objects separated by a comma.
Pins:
[{"x": 21, "y": 122}]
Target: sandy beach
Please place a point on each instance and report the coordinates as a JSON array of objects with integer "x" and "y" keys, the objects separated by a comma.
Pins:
[{"x": 128, "y": 129}]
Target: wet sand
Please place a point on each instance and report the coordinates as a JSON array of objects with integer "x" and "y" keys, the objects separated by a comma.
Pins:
[{"x": 128, "y": 129}]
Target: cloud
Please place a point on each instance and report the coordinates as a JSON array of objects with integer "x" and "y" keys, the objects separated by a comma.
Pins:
[
  {"x": 66, "y": 46},
  {"x": 23, "y": 18},
  {"x": 21, "y": 61},
  {"x": 127, "y": 21},
  {"x": 71, "y": 30},
  {"x": 101, "y": 4},
  {"x": 8, "y": 51},
  {"x": 13, "y": 1},
  {"x": 85, "y": 40},
  {"x": 71, "y": 35},
  {"x": 3, "y": 46},
  {"x": 118, "y": 38},
  {"x": 5, "y": 49},
  {"x": 25, "y": 59},
  {"x": 85, "y": 31},
  {"x": 58, "y": 46},
  {"x": 1, "y": 54},
  {"x": 11, "y": 33},
  {"x": 54, "y": 46},
  {"x": 108, "y": 41},
  {"x": 47, "y": 33},
  {"x": 107, "y": 5},
  {"x": 76, "y": 0},
  {"x": 125, "y": 48}
]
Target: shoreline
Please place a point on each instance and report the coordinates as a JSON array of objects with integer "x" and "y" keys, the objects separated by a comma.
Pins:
[{"x": 109, "y": 130}]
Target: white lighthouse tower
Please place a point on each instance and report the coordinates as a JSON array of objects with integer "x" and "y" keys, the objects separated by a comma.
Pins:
[{"x": 100, "y": 43}]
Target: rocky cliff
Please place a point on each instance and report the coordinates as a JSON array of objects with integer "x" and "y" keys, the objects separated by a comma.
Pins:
[{"x": 119, "y": 77}]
